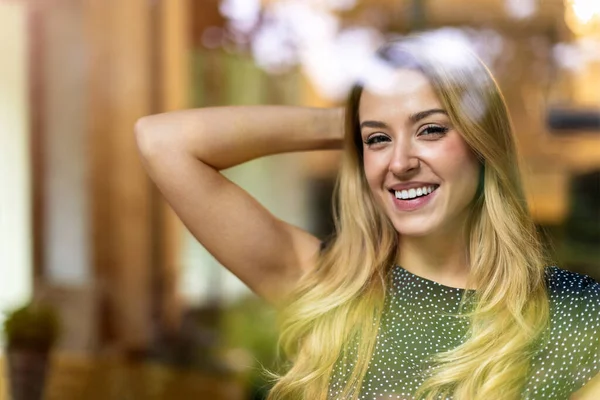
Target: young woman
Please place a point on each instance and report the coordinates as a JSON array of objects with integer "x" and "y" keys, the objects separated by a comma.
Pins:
[{"x": 434, "y": 285}]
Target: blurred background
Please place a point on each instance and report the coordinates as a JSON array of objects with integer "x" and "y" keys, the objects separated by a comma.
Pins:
[{"x": 145, "y": 312}]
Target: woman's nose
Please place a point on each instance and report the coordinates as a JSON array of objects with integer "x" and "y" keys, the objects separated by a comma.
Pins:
[{"x": 403, "y": 160}]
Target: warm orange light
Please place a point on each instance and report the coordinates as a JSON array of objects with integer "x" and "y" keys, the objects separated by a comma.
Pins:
[{"x": 583, "y": 16}]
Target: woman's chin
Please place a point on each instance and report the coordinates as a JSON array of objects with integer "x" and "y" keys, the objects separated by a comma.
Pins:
[
  {"x": 415, "y": 234},
  {"x": 414, "y": 231}
]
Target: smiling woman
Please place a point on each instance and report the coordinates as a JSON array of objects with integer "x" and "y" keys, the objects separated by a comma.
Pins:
[{"x": 435, "y": 284}]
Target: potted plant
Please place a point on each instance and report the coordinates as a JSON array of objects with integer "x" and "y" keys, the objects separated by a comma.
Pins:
[
  {"x": 249, "y": 327},
  {"x": 30, "y": 333}
]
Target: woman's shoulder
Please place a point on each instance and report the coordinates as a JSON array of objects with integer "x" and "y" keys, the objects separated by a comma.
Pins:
[
  {"x": 575, "y": 324},
  {"x": 564, "y": 282},
  {"x": 573, "y": 291}
]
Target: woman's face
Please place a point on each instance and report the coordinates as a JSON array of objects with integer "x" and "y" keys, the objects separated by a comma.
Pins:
[{"x": 419, "y": 168}]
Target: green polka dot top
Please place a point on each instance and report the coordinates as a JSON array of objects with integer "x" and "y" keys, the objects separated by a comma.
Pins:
[{"x": 413, "y": 327}]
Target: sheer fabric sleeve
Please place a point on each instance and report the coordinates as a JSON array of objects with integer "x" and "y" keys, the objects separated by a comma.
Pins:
[{"x": 588, "y": 334}]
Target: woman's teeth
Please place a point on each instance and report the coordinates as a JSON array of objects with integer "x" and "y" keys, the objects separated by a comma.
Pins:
[{"x": 413, "y": 193}]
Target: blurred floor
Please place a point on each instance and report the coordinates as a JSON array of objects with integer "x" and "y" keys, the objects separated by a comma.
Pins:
[{"x": 75, "y": 377}]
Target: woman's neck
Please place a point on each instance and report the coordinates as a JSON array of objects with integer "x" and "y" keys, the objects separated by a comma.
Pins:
[{"x": 440, "y": 258}]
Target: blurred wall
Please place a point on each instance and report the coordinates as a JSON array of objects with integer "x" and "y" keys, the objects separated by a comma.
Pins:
[
  {"x": 105, "y": 238},
  {"x": 61, "y": 177},
  {"x": 66, "y": 169},
  {"x": 15, "y": 200}
]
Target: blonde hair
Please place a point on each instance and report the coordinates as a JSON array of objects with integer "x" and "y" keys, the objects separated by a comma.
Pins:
[{"x": 343, "y": 297}]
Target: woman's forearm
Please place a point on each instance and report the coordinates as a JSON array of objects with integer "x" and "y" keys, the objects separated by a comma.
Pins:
[{"x": 226, "y": 136}]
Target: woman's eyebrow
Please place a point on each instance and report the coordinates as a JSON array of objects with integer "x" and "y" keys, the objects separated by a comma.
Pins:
[
  {"x": 414, "y": 118},
  {"x": 424, "y": 114},
  {"x": 374, "y": 124}
]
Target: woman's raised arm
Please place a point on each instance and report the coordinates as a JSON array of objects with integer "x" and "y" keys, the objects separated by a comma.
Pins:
[{"x": 183, "y": 151}]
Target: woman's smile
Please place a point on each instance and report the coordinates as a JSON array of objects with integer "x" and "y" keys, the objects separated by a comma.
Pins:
[{"x": 413, "y": 199}]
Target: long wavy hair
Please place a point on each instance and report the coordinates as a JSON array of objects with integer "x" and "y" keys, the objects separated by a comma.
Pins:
[{"x": 341, "y": 300}]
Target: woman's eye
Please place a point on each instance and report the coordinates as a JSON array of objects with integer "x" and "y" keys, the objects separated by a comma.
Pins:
[
  {"x": 375, "y": 139},
  {"x": 433, "y": 130}
]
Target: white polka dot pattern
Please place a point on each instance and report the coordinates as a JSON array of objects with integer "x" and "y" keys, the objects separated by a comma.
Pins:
[{"x": 413, "y": 327}]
